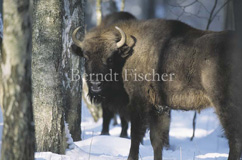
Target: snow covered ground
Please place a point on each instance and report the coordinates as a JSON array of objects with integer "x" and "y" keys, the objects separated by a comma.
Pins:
[{"x": 208, "y": 144}]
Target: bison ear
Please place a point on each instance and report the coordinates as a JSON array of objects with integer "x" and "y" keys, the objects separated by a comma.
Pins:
[
  {"x": 127, "y": 49},
  {"x": 76, "y": 50}
]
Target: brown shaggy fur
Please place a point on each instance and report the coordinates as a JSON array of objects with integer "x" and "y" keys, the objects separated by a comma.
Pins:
[{"x": 202, "y": 62}]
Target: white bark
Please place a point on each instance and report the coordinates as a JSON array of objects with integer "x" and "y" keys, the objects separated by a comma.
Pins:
[{"x": 47, "y": 77}]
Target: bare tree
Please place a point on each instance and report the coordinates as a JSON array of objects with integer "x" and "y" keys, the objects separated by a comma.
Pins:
[
  {"x": 229, "y": 17},
  {"x": 73, "y": 17},
  {"x": 47, "y": 77},
  {"x": 237, "y": 16},
  {"x": 18, "y": 133},
  {"x": 99, "y": 11},
  {"x": 238, "y": 28},
  {"x": 151, "y": 9},
  {"x": 112, "y": 6},
  {"x": 1, "y": 33},
  {"x": 122, "y": 5},
  {"x": 237, "y": 56}
]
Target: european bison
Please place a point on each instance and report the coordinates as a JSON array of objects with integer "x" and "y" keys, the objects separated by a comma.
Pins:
[
  {"x": 155, "y": 65},
  {"x": 108, "y": 114}
]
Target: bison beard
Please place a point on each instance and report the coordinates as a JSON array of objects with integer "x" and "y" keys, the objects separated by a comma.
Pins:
[{"x": 201, "y": 60}]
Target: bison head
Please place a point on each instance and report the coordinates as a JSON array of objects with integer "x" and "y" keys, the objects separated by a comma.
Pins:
[{"x": 105, "y": 52}]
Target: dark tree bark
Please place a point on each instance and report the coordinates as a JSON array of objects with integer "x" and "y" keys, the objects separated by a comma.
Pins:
[
  {"x": 151, "y": 9},
  {"x": 148, "y": 9},
  {"x": 47, "y": 77},
  {"x": 18, "y": 133},
  {"x": 237, "y": 74},
  {"x": 74, "y": 16},
  {"x": 229, "y": 16},
  {"x": 238, "y": 17},
  {"x": 237, "y": 6},
  {"x": 112, "y": 6}
]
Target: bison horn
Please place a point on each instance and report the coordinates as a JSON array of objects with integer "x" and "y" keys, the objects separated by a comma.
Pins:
[
  {"x": 123, "y": 37},
  {"x": 75, "y": 40}
]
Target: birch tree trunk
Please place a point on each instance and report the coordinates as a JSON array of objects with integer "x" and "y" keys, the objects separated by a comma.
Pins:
[
  {"x": 46, "y": 75},
  {"x": 122, "y": 5},
  {"x": 99, "y": 11},
  {"x": 73, "y": 17},
  {"x": 18, "y": 133}
]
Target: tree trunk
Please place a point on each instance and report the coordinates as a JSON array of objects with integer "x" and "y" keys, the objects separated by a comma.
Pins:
[
  {"x": 46, "y": 75},
  {"x": 122, "y": 5},
  {"x": 18, "y": 133},
  {"x": 148, "y": 8},
  {"x": 99, "y": 11},
  {"x": 237, "y": 17},
  {"x": 237, "y": 6},
  {"x": 112, "y": 6},
  {"x": 229, "y": 17},
  {"x": 1, "y": 32},
  {"x": 73, "y": 17},
  {"x": 151, "y": 9},
  {"x": 237, "y": 74}
]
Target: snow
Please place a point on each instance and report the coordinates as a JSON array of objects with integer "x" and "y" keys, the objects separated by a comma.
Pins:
[
  {"x": 68, "y": 137},
  {"x": 209, "y": 142}
]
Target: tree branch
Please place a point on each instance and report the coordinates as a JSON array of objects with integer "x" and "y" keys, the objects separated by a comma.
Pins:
[
  {"x": 215, "y": 14},
  {"x": 211, "y": 14}
]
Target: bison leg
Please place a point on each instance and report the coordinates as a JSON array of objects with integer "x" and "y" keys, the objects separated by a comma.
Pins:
[
  {"x": 124, "y": 124},
  {"x": 107, "y": 116},
  {"x": 231, "y": 120},
  {"x": 230, "y": 117},
  {"x": 167, "y": 121},
  {"x": 159, "y": 132},
  {"x": 138, "y": 128}
]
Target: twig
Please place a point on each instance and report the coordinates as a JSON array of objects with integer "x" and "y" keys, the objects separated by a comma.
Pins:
[
  {"x": 211, "y": 14},
  {"x": 194, "y": 125},
  {"x": 215, "y": 14},
  {"x": 183, "y": 7}
]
